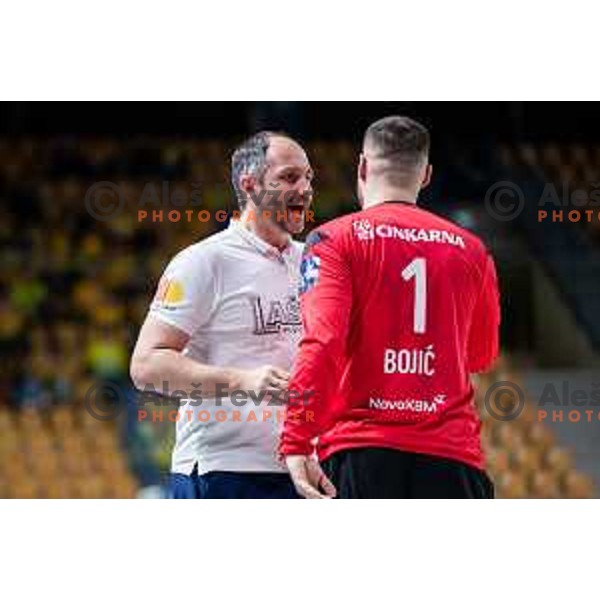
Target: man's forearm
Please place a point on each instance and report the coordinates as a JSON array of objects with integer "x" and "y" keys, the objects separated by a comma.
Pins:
[{"x": 163, "y": 369}]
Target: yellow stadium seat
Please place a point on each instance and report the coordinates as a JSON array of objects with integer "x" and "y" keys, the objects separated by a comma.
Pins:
[
  {"x": 576, "y": 485},
  {"x": 511, "y": 485}
]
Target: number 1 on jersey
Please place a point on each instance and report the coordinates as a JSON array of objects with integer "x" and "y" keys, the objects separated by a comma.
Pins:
[{"x": 417, "y": 269}]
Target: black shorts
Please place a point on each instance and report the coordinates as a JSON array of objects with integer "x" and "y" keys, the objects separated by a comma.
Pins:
[{"x": 387, "y": 473}]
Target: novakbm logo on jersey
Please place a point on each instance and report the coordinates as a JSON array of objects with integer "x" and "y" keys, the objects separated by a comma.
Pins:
[{"x": 309, "y": 272}]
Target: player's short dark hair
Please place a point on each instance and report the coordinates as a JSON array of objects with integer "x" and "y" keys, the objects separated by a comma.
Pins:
[
  {"x": 250, "y": 157},
  {"x": 401, "y": 143}
]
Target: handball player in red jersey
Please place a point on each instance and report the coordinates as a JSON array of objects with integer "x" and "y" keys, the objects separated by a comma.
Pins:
[{"x": 400, "y": 307}]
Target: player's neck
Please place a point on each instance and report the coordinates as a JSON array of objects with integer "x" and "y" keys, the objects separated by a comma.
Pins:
[
  {"x": 385, "y": 193},
  {"x": 275, "y": 237}
]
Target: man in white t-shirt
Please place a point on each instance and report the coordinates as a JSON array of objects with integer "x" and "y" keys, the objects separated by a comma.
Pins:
[{"x": 224, "y": 327}]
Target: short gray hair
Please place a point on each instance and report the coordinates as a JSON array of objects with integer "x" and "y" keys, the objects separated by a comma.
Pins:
[{"x": 250, "y": 158}]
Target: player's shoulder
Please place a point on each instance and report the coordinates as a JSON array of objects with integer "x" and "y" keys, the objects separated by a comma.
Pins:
[
  {"x": 471, "y": 241},
  {"x": 333, "y": 231},
  {"x": 339, "y": 225},
  {"x": 205, "y": 250}
]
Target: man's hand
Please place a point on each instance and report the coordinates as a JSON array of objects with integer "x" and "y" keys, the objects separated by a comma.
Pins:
[
  {"x": 268, "y": 378},
  {"x": 308, "y": 477}
]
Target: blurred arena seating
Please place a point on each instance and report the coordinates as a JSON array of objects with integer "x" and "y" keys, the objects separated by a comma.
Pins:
[
  {"x": 61, "y": 453},
  {"x": 75, "y": 290},
  {"x": 523, "y": 457},
  {"x": 574, "y": 169}
]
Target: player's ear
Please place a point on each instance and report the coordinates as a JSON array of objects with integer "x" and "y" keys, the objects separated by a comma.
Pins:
[
  {"x": 362, "y": 167},
  {"x": 427, "y": 176},
  {"x": 248, "y": 184}
]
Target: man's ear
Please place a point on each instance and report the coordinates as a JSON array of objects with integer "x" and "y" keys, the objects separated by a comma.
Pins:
[
  {"x": 362, "y": 167},
  {"x": 427, "y": 176},
  {"x": 248, "y": 185}
]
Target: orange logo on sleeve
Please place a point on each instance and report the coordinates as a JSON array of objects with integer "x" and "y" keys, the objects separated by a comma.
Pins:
[{"x": 170, "y": 291}]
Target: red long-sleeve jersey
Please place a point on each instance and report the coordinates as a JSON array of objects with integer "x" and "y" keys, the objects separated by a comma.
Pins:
[{"x": 399, "y": 306}]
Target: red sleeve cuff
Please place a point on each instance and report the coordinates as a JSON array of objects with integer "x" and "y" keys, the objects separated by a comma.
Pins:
[{"x": 290, "y": 447}]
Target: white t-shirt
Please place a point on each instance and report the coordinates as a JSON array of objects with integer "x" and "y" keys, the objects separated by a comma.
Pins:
[{"x": 236, "y": 297}]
